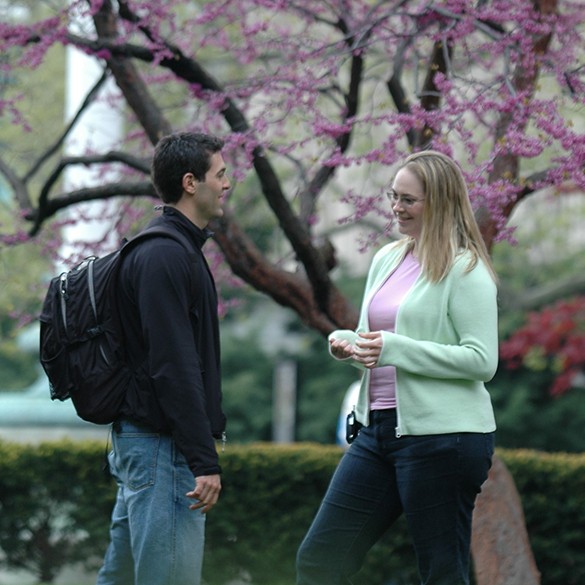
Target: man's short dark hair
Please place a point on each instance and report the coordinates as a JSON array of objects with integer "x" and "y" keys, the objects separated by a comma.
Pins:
[{"x": 180, "y": 153}]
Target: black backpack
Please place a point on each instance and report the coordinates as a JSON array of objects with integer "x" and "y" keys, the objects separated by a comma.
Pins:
[{"x": 81, "y": 343}]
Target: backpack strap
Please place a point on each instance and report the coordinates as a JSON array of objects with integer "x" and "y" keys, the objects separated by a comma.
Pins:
[
  {"x": 165, "y": 232},
  {"x": 161, "y": 231}
]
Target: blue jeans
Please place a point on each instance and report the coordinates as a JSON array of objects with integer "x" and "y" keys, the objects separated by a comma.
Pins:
[
  {"x": 154, "y": 538},
  {"x": 432, "y": 479}
]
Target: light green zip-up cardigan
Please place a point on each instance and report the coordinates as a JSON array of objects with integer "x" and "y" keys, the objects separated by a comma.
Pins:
[{"x": 445, "y": 346}]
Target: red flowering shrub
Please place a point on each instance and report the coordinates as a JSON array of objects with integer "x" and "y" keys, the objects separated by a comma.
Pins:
[{"x": 552, "y": 339}]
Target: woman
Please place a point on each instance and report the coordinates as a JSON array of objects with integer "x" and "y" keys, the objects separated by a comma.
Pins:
[{"x": 427, "y": 341}]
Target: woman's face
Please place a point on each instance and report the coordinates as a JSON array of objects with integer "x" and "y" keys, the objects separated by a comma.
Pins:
[{"x": 407, "y": 198}]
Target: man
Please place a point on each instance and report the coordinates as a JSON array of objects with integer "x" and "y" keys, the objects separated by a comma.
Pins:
[{"x": 164, "y": 456}]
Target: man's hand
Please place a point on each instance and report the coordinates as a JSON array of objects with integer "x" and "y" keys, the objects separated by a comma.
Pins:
[{"x": 207, "y": 488}]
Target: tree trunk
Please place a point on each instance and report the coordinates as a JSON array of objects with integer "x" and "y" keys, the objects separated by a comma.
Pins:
[{"x": 499, "y": 543}]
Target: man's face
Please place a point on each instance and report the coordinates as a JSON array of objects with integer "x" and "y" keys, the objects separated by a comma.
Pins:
[{"x": 209, "y": 196}]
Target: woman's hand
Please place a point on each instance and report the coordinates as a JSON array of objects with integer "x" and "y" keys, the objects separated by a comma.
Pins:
[
  {"x": 341, "y": 349},
  {"x": 368, "y": 349}
]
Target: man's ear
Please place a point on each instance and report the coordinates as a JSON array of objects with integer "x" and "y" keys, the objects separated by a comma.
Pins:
[{"x": 190, "y": 183}]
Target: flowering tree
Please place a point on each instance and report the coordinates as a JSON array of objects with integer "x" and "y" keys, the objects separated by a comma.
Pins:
[
  {"x": 552, "y": 339},
  {"x": 317, "y": 101}
]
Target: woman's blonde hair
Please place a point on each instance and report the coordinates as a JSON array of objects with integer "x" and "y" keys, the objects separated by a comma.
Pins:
[{"x": 449, "y": 226}]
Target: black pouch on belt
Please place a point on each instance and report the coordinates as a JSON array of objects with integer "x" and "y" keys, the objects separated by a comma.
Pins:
[{"x": 352, "y": 427}]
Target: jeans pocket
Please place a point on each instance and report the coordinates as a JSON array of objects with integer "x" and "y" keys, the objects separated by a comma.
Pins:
[
  {"x": 136, "y": 458},
  {"x": 490, "y": 444}
]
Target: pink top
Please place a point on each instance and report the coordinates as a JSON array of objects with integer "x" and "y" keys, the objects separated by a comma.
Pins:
[{"x": 382, "y": 316}]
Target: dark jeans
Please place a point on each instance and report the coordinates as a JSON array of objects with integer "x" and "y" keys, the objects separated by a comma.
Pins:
[{"x": 433, "y": 479}]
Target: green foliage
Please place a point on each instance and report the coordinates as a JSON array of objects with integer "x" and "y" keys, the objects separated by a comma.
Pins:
[
  {"x": 275, "y": 491},
  {"x": 323, "y": 382},
  {"x": 21, "y": 271},
  {"x": 527, "y": 417},
  {"x": 543, "y": 255},
  {"x": 251, "y": 351},
  {"x": 55, "y": 505},
  {"x": 18, "y": 369},
  {"x": 248, "y": 385},
  {"x": 552, "y": 490},
  {"x": 551, "y": 340},
  {"x": 24, "y": 264},
  {"x": 41, "y": 93},
  {"x": 247, "y": 388},
  {"x": 526, "y": 414}
]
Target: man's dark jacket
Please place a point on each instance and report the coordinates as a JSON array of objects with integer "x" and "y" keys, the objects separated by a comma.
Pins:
[{"x": 168, "y": 309}]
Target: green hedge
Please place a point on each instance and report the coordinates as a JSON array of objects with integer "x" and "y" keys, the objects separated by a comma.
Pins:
[
  {"x": 55, "y": 502},
  {"x": 552, "y": 489}
]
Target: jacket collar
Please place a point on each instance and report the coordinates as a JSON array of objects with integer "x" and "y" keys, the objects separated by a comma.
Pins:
[{"x": 200, "y": 236}]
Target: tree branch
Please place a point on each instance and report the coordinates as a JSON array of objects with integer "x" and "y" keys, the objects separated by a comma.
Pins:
[
  {"x": 55, "y": 204},
  {"x": 396, "y": 89},
  {"x": 540, "y": 296},
  {"x": 47, "y": 208},
  {"x": 430, "y": 97},
  {"x": 18, "y": 185},
  {"x": 351, "y": 98},
  {"x": 128, "y": 79},
  {"x": 288, "y": 289},
  {"x": 189, "y": 70},
  {"x": 505, "y": 164},
  {"x": 89, "y": 98}
]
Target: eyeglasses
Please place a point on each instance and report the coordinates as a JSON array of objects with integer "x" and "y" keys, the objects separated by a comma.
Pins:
[{"x": 405, "y": 200}]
